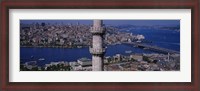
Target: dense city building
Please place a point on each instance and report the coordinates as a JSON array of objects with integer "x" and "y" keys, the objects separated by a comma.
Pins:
[
  {"x": 118, "y": 62},
  {"x": 69, "y": 35}
]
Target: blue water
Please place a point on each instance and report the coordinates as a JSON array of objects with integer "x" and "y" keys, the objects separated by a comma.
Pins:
[{"x": 163, "y": 38}]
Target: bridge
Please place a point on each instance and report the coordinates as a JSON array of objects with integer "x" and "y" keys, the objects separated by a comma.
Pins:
[{"x": 154, "y": 48}]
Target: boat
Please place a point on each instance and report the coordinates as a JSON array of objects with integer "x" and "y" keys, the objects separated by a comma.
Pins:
[
  {"x": 32, "y": 57},
  {"x": 139, "y": 41},
  {"x": 128, "y": 51},
  {"x": 79, "y": 46},
  {"x": 41, "y": 59}
]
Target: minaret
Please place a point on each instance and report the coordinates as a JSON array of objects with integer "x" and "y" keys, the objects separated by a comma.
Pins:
[{"x": 97, "y": 50}]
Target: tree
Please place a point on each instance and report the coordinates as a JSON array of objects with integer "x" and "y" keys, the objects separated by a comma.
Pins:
[
  {"x": 132, "y": 60},
  {"x": 145, "y": 58}
]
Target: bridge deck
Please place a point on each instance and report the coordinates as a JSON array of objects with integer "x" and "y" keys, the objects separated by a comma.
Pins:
[{"x": 150, "y": 47}]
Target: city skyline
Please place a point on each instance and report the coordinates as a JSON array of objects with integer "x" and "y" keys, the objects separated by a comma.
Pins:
[{"x": 108, "y": 22}]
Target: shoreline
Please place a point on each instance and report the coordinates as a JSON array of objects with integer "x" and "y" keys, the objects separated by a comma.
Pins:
[
  {"x": 52, "y": 47},
  {"x": 63, "y": 46}
]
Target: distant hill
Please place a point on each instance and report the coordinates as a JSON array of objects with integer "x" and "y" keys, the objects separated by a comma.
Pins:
[{"x": 157, "y": 27}]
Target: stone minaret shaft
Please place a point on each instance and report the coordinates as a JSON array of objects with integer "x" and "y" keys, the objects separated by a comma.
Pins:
[{"x": 97, "y": 50}]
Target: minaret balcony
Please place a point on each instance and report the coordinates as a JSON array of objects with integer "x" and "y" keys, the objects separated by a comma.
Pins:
[
  {"x": 97, "y": 51},
  {"x": 97, "y": 30}
]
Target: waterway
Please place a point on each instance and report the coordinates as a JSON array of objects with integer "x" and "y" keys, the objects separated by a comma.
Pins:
[{"x": 162, "y": 38}]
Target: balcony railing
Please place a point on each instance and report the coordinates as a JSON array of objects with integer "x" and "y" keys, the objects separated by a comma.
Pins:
[
  {"x": 97, "y": 51},
  {"x": 97, "y": 30}
]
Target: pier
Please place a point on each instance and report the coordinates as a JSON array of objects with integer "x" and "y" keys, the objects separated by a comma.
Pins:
[{"x": 154, "y": 48}]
